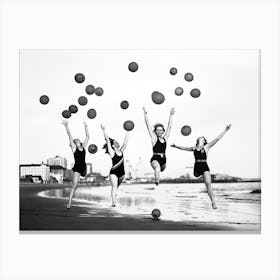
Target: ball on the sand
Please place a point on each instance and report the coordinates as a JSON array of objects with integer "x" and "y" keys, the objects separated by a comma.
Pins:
[
  {"x": 157, "y": 97},
  {"x": 91, "y": 113},
  {"x": 188, "y": 77},
  {"x": 156, "y": 213},
  {"x": 124, "y": 104},
  {"x": 132, "y": 66},
  {"x": 92, "y": 148},
  {"x": 90, "y": 89},
  {"x": 186, "y": 130},
  {"x": 195, "y": 92},
  {"x": 44, "y": 99},
  {"x": 179, "y": 91},
  {"x": 82, "y": 100},
  {"x": 79, "y": 78},
  {"x": 173, "y": 71},
  {"x": 73, "y": 109},
  {"x": 99, "y": 91},
  {"x": 128, "y": 125},
  {"x": 66, "y": 114}
]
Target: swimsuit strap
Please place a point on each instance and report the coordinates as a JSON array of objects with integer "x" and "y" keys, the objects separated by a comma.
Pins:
[{"x": 118, "y": 163}]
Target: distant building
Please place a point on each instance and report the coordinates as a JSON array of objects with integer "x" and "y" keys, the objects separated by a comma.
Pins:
[
  {"x": 35, "y": 170},
  {"x": 57, "y": 172},
  {"x": 57, "y": 160},
  {"x": 140, "y": 169},
  {"x": 89, "y": 168}
]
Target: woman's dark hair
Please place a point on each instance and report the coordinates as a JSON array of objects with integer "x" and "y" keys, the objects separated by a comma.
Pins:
[
  {"x": 105, "y": 146},
  {"x": 158, "y": 125},
  {"x": 205, "y": 141}
]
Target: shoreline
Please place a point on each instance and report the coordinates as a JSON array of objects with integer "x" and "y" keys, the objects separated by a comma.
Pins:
[{"x": 50, "y": 214}]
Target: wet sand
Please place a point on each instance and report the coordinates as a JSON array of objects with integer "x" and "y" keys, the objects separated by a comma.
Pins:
[{"x": 44, "y": 213}]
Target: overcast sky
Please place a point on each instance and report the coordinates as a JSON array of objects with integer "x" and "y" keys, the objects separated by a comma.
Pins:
[{"x": 229, "y": 84}]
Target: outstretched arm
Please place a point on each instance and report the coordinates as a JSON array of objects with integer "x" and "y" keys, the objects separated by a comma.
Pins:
[
  {"x": 152, "y": 135},
  {"x": 72, "y": 144},
  {"x": 212, "y": 143},
  {"x": 110, "y": 149},
  {"x": 125, "y": 142},
  {"x": 167, "y": 133},
  {"x": 189, "y": 149},
  {"x": 87, "y": 135}
]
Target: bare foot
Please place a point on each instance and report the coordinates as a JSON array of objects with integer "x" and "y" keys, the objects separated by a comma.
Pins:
[
  {"x": 214, "y": 206},
  {"x": 113, "y": 205},
  {"x": 68, "y": 207}
]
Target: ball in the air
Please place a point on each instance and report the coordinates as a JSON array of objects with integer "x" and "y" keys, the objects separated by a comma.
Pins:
[
  {"x": 132, "y": 66},
  {"x": 186, "y": 130},
  {"x": 156, "y": 213},
  {"x": 157, "y": 97},
  {"x": 91, "y": 113},
  {"x": 73, "y": 109},
  {"x": 66, "y": 114},
  {"x": 82, "y": 100},
  {"x": 44, "y": 99},
  {"x": 173, "y": 71},
  {"x": 90, "y": 89},
  {"x": 92, "y": 148},
  {"x": 128, "y": 125},
  {"x": 124, "y": 104},
  {"x": 179, "y": 91},
  {"x": 99, "y": 91},
  {"x": 79, "y": 78},
  {"x": 188, "y": 77},
  {"x": 195, "y": 92}
]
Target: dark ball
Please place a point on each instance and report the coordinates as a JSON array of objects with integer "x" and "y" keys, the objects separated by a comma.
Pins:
[
  {"x": 188, "y": 77},
  {"x": 173, "y": 71},
  {"x": 195, "y": 92},
  {"x": 82, "y": 100},
  {"x": 128, "y": 125},
  {"x": 44, "y": 99},
  {"x": 66, "y": 114},
  {"x": 156, "y": 213},
  {"x": 132, "y": 66},
  {"x": 157, "y": 97},
  {"x": 90, "y": 89},
  {"x": 186, "y": 130},
  {"x": 79, "y": 78},
  {"x": 124, "y": 104},
  {"x": 179, "y": 91},
  {"x": 99, "y": 91},
  {"x": 91, "y": 113},
  {"x": 92, "y": 148},
  {"x": 73, "y": 109}
]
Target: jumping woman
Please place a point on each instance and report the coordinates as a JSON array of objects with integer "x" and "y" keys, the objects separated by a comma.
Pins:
[
  {"x": 117, "y": 172},
  {"x": 200, "y": 151},
  {"x": 79, "y": 151},
  {"x": 159, "y": 138}
]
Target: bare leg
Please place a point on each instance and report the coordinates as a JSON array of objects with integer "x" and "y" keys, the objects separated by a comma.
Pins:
[
  {"x": 114, "y": 183},
  {"x": 120, "y": 180},
  {"x": 207, "y": 181},
  {"x": 155, "y": 165},
  {"x": 76, "y": 177}
]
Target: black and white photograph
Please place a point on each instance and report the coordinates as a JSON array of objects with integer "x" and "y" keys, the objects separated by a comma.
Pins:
[{"x": 140, "y": 140}]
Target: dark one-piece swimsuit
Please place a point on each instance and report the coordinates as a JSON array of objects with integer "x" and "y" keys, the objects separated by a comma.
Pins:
[
  {"x": 159, "y": 154},
  {"x": 118, "y": 166},
  {"x": 200, "y": 165},
  {"x": 80, "y": 162}
]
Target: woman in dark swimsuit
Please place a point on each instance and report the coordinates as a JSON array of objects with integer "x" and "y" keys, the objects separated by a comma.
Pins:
[
  {"x": 159, "y": 138},
  {"x": 117, "y": 171},
  {"x": 79, "y": 151},
  {"x": 200, "y": 151}
]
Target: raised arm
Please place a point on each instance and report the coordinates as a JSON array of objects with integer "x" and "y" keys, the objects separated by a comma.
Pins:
[
  {"x": 213, "y": 142},
  {"x": 87, "y": 135},
  {"x": 152, "y": 135},
  {"x": 110, "y": 149},
  {"x": 170, "y": 121},
  {"x": 189, "y": 149},
  {"x": 125, "y": 142},
  {"x": 72, "y": 144}
]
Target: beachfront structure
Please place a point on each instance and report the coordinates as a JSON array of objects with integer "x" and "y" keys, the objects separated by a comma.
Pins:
[
  {"x": 35, "y": 170},
  {"x": 57, "y": 172},
  {"x": 57, "y": 160},
  {"x": 89, "y": 168}
]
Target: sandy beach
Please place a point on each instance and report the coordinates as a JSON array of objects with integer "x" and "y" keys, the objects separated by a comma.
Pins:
[{"x": 41, "y": 212}]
